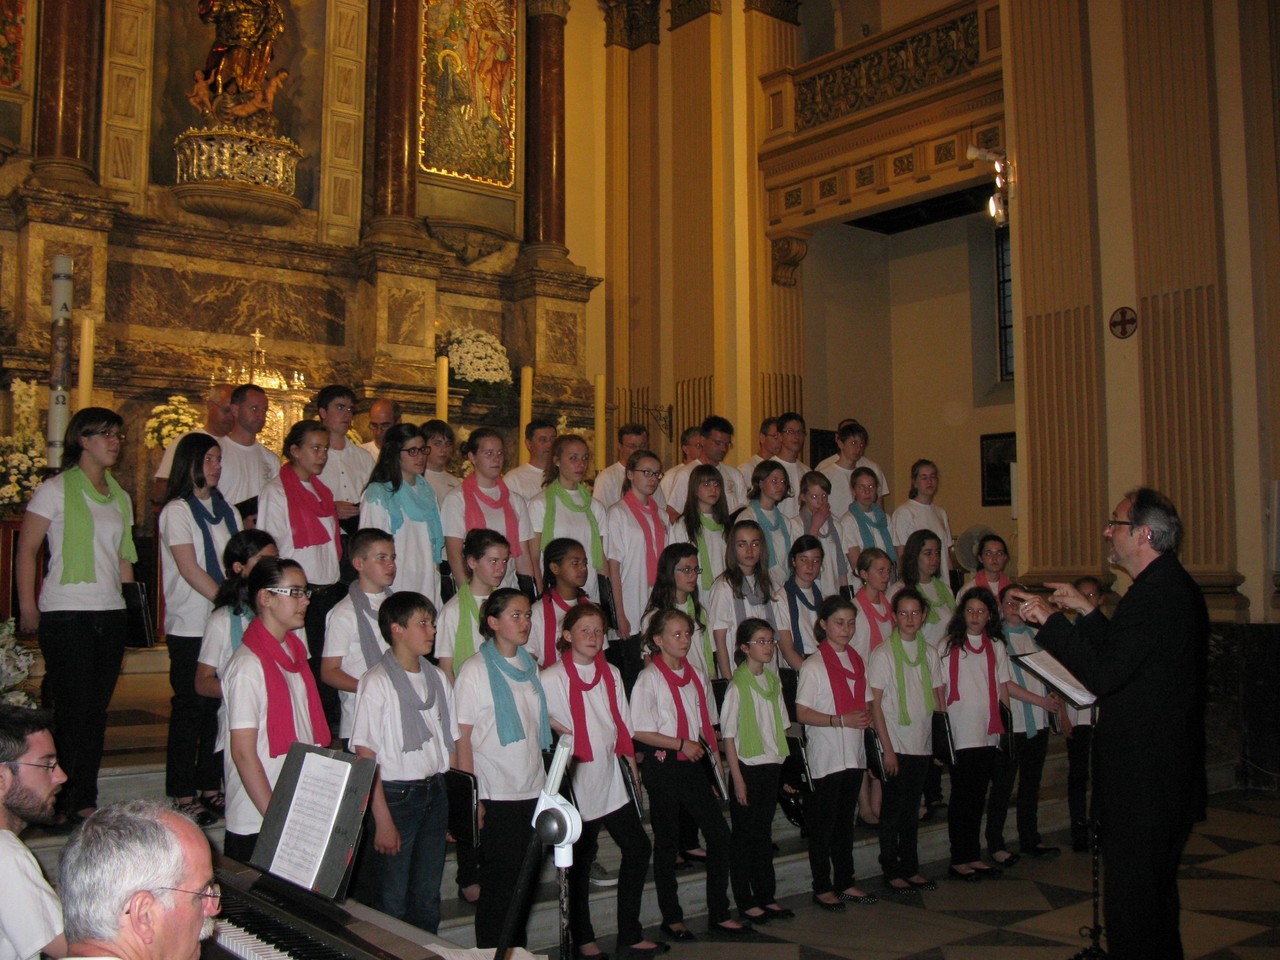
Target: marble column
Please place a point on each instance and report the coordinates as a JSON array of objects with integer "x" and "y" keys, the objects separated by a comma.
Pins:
[
  {"x": 395, "y": 139},
  {"x": 69, "y": 60},
  {"x": 544, "y": 137}
]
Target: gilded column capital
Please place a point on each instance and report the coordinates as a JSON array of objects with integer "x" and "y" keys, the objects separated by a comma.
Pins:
[
  {"x": 547, "y": 8},
  {"x": 788, "y": 252},
  {"x": 788, "y": 11},
  {"x": 630, "y": 23},
  {"x": 686, "y": 11}
]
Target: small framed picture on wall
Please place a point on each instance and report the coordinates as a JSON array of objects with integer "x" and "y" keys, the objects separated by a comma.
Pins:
[{"x": 998, "y": 451}]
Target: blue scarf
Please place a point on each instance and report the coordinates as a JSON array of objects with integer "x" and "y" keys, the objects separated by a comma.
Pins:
[
  {"x": 236, "y": 624},
  {"x": 795, "y": 597},
  {"x": 779, "y": 523},
  {"x": 510, "y": 728},
  {"x": 417, "y": 502},
  {"x": 1028, "y": 711},
  {"x": 869, "y": 524},
  {"x": 222, "y": 513}
]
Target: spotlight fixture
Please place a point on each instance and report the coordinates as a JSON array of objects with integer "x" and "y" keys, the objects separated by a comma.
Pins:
[
  {"x": 998, "y": 205},
  {"x": 997, "y": 210}
]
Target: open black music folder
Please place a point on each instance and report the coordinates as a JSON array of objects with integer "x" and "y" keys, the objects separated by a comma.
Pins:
[{"x": 312, "y": 825}]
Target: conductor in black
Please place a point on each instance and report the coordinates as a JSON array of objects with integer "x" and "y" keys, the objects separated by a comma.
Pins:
[{"x": 1147, "y": 667}]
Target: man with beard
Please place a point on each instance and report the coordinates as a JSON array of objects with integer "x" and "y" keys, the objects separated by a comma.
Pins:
[
  {"x": 30, "y": 915},
  {"x": 137, "y": 884}
]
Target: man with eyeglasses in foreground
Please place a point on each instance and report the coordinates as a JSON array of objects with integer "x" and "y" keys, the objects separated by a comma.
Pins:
[
  {"x": 1147, "y": 667},
  {"x": 30, "y": 914},
  {"x": 137, "y": 884}
]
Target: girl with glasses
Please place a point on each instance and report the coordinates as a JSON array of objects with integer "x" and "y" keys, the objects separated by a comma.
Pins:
[{"x": 637, "y": 535}]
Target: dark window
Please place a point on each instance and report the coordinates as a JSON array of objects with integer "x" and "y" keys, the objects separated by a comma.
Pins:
[{"x": 1004, "y": 303}]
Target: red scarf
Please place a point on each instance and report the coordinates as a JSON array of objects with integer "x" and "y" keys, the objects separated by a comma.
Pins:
[
  {"x": 654, "y": 539},
  {"x": 838, "y": 675},
  {"x": 550, "y": 625},
  {"x": 578, "y": 688},
  {"x": 474, "y": 518},
  {"x": 674, "y": 683},
  {"x": 981, "y": 581},
  {"x": 306, "y": 509},
  {"x": 874, "y": 619},
  {"x": 994, "y": 723},
  {"x": 280, "y": 729}
]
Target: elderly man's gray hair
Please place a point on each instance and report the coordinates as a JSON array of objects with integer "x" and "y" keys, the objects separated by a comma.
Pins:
[
  {"x": 1152, "y": 509},
  {"x": 119, "y": 851}
]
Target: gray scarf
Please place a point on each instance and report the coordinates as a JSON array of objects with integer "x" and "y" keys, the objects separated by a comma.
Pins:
[
  {"x": 413, "y": 724},
  {"x": 370, "y": 648}
]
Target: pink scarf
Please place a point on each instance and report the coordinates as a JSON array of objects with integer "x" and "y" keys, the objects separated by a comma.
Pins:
[
  {"x": 981, "y": 581},
  {"x": 306, "y": 510},
  {"x": 655, "y": 536},
  {"x": 280, "y": 729},
  {"x": 474, "y": 518},
  {"x": 994, "y": 723},
  {"x": 838, "y": 675},
  {"x": 578, "y": 688},
  {"x": 674, "y": 683},
  {"x": 874, "y": 619},
  {"x": 550, "y": 625}
]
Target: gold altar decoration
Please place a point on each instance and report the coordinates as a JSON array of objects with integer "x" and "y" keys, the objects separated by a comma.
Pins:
[
  {"x": 287, "y": 393},
  {"x": 469, "y": 83}
]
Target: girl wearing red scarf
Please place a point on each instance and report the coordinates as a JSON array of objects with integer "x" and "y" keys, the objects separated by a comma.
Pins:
[
  {"x": 585, "y": 698},
  {"x": 976, "y": 669},
  {"x": 564, "y": 574},
  {"x": 672, "y": 713},
  {"x": 992, "y": 555},
  {"x": 637, "y": 533},
  {"x": 271, "y": 698},
  {"x": 832, "y": 703}
]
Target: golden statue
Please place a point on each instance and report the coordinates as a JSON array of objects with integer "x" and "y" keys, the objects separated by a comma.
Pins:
[{"x": 246, "y": 31}]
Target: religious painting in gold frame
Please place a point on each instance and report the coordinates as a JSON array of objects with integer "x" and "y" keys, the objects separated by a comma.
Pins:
[{"x": 469, "y": 84}]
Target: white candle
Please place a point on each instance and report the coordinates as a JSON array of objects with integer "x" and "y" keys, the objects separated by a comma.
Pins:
[
  {"x": 602, "y": 446},
  {"x": 442, "y": 388},
  {"x": 526, "y": 407}
]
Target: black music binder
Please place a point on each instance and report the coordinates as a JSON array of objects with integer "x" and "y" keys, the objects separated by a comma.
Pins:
[
  {"x": 140, "y": 632},
  {"x": 875, "y": 753},
  {"x": 1007, "y": 744},
  {"x": 464, "y": 796},
  {"x": 312, "y": 826},
  {"x": 799, "y": 748},
  {"x": 944, "y": 741},
  {"x": 715, "y": 776},
  {"x": 633, "y": 787},
  {"x": 608, "y": 603}
]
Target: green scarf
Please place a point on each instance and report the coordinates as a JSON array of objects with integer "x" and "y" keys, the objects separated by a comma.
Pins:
[
  {"x": 749, "y": 742},
  {"x": 900, "y": 663},
  {"x": 708, "y": 644},
  {"x": 77, "y": 526},
  {"x": 556, "y": 494},
  {"x": 945, "y": 599},
  {"x": 704, "y": 557},
  {"x": 464, "y": 637}
]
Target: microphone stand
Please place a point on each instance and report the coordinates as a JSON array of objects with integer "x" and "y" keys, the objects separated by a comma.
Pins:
[{"x": 1094, "y": 951}]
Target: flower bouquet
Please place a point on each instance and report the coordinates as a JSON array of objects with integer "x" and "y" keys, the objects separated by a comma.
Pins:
[{"x": 174, "y": 418}]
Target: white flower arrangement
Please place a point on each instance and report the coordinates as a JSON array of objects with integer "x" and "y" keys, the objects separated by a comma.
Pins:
[
  {"x": 171, "y": 419},
  {"x": 15, "y": 665},
  {"x": 475, "y": 356},
  {"x": 22, "y": 454}
]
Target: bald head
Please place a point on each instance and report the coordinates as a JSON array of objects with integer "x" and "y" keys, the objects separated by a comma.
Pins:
[
  {"x": 218, "y": 416},
  {"x": 383, "y": 415}
]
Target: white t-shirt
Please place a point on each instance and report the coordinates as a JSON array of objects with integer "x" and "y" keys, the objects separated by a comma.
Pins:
[
  {"x": 244, "y": 689},
  {"x": 377, "y": 726},
  {"x": 1023, "y": 643},
  {"x": 654, "y": 711},
  {"x": 862, "y": 627},
  {"x": 676, "y": 479},
  {"x": 835, "y": 555},
  {"x": 715, "y": 542},
  {"x": 447, "y": 629},
  {"x": 607, "y": 486},
  {"x": 166, "y": 460},
  {"x": 914, "y": 515},
  {"x": 215, "y": 651},
  {"x": 722, "y": 612},
  {"x": 245, "y": 469},
  {"x": 108, "y": 534},
  {"x": 830, "y": 749},
  {"x": 731, "y": 488},
  {"x": 347, "y": 471},
  {"x": 185, "y": 610},
  {"x": 513, "y": 772},
  {"x": 575, "y": 526},
  {"x": 416, "y": 565},
  {"x": 442, "y": 483},
  {"x": 933, "y": 629},
  {"x": 453, "y": 517},
  {"x": 372, "y": 449},
  {"x": 851, "y": 534},
  {"x": 971, "y": 714},
  {"x": 917, "y": 738},
  {"x": 537, "y": 645},
  {"x": 342, "y": 639},
  {"x": 319, "y": 562},
  {"x": 748, "y": 467},
  {"x": 731, "y": 713},
  {"x": 525, "y": 480},
  {"x": 806, "y": 618},
  {"x": 625, "y": 543},
  {"x": 598, "y": 787},
  {"x": 30, "y": 913},
  {"x": 791, "y": 505}
]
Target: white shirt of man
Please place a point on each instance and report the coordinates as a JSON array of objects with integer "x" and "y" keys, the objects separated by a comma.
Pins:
[
  {"x": 245, "y": 469},
  {"x": 347, "y": 471},
  {"x": 30, "y": 914},
  {"x": 525, "y": 480},
  {"x": 841, "y": 495},
  {"x": 607, "y": 486},
  {"x": 790, "y": 507},
  {"x": 442, "y": 482},
  {"x": 342, "y": 639},
  {"x": 376, "y": 726}
]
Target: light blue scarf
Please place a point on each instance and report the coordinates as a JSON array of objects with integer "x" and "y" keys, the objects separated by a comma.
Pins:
[
  {"x": 510, "y": 728},
  {"x": 1028, "y": 711},
  {"x": 417, "y": 501},
  {"x": 870, "y": 524}
]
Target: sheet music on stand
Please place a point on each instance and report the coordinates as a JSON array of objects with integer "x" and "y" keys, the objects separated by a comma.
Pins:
[
  {"x": 1050, "y": 670},
  {"x": 312, "y": 825}
]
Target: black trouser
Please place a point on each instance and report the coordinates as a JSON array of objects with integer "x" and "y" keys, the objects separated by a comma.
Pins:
[
  {"x": 190, "y": 762},
  {"x": 1078, "y": 780},
  {"x": 830, "y": 815},
  {"x": 628, "y": 833},
  {"x": 508, "y": 825},
  {"x": 932, "y": 790},
  {"x": 239, "y": 846},
  {"x": 676, "y": 785},
  {"x": 624, "y": 653},
  {"x": 900, "y": 819},
  {"x": 324, "y": 597},
  {"x": 1140, "y": 887},
  {"x": 970, "y": 778},
  {"x": 751, "y": 855},
  {"x": 1027, "y": 768},
  {"x": 82, "y": 652}
]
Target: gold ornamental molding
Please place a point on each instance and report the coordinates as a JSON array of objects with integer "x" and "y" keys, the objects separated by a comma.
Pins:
[
  {"x": 686, "y": 11},
  {"x": 788, "y": 253},
  {"x": 631, "y": 23}
]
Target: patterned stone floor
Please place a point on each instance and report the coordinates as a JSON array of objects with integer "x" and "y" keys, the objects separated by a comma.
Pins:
[{"x": 1230, "y": 884}]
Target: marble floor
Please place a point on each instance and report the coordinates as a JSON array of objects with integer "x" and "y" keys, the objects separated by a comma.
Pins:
[{"x": 1230, "y": 885}]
